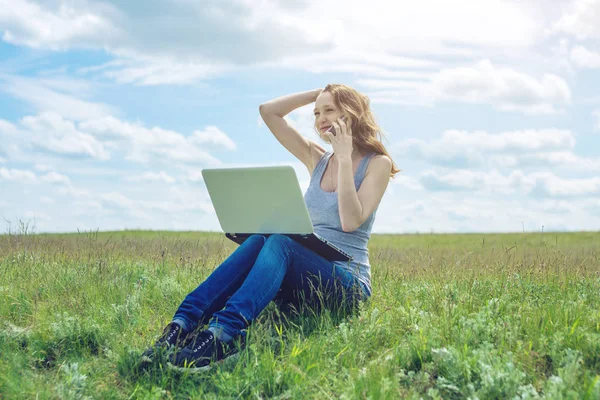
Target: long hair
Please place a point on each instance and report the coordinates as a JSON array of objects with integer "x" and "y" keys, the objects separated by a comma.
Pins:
[{"x": 366, "y": 133}]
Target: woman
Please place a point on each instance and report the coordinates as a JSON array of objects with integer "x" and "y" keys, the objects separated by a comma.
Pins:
[{"x": 344, "y": 193}]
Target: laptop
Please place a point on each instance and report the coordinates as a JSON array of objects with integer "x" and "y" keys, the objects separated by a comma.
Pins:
[{"x": 266, "y": 201}]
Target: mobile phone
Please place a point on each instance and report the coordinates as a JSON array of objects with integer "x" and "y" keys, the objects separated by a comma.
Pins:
[{"x": 332, "y": 128}]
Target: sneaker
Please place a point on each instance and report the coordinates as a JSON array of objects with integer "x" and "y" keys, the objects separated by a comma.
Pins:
[
  {"x": 173, "y": 336},
  {"x": 204, "y": 350}
]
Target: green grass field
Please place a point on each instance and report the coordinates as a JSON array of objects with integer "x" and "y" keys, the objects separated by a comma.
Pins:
[{"x": 451, "y": 316}]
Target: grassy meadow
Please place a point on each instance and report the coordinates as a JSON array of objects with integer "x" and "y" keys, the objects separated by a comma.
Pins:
[{"x": 451, "y": 317}]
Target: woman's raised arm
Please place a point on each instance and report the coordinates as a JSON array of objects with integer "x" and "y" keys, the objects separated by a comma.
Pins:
[{"x": 272, "y": 112}]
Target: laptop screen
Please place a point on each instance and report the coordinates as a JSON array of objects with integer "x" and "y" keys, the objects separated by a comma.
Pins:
[{"x": 258, "y": 200}]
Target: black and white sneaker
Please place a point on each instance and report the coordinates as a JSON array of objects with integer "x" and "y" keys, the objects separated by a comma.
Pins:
[
  {"x": 173, "y": 336},
  {"x": 203, "y": 351}
]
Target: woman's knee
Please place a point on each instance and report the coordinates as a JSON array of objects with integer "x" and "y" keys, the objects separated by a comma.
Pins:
[
  {"x": 253, "y": 244},
  {"x": 257, "y": 238},
  {"x": 277, "y": 246},
  {"x": 278, "y": 240}
]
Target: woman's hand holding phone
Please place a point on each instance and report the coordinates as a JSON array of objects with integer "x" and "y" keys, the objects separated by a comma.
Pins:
[
  {"x": 342, "y": 144},
  {"x": 332, "y": 128}
]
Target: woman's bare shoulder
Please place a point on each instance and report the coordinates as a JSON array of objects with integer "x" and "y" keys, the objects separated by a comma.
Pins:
[{"x": 380, "y": 163}]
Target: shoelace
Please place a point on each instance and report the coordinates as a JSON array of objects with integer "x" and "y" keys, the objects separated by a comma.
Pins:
[
  {"x": 173, "y": 331},
  {"x": 203, "y": 343}
]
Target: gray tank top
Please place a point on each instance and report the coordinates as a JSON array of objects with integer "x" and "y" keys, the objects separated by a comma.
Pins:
[{"x": 325, "y": 216}]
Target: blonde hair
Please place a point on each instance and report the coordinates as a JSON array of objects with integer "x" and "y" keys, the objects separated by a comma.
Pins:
[{"x": 366, "y": 133}]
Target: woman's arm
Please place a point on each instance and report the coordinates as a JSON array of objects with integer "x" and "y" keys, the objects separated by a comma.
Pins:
[
  {"x": 284, "y": 105},
  {"x": 355, "y": 207},
  {"x": 272, "y": 112}
]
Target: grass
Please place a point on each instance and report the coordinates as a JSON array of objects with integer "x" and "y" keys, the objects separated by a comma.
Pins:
[{"x": 452, "y": 316}]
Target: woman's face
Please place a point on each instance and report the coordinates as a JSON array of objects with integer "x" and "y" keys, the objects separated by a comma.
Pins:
[{"x": 325, "y": 113}]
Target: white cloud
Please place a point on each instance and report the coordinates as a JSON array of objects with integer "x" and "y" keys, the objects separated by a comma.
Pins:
[
  {"x": 406, "y": 181},
  {"x": 74, "y": 192},
  {"x": 478, "y": 211},
  {"x": 55, "y": 177},
  {"x": 55, "y": 135},
  {"x": 36, "y": 215},
  {"x": 366, "y": 63},
  {"x": 550, "y": 185},
  {"x": 466, "y": 180},
  {"x": 538, "y": 184},
  {"x": 42, "y": 167},
  {"x": 195, "y": 176},
  {"x": 147, "y": 71},
  {"x": 508, "y": 89},
  {"x": 9, "y": 135},
  {"x": 448, "y": 212},
  {"x": 161, "y": 176},
  {"x": 7, "y": 128},
  {"x": 558, "y": 58},
  {"x": 565, "y": 159},
  {"x": 60, "y": 96},
  {"x": 359, "y": 35},
  {"x": 52, "y": 133},
  {"x": 483, "y": 83},
  {"x": 146, "y": 144},
  {"x": 212, "y": 136},
  {"x": 278, "y": 27},
  {"x": 17, "y": 175},
  {"x": 581, "y": 20},
  {"x": 513, "y": 141},
  {"x": 559, "y": 207},
  {"x": 454, "y": 212},
  {"x": 145, "y": 209},
  {"x": 189, "y": 51},
  {"x": 31, "y": 24},
  {"x": 25, "y": 176},
  {"x": 461, "y": 148},
  {"x": 117, "y": 200},
  {"x": 180, "y": 207},
  {"x": 584, "y": 58}
]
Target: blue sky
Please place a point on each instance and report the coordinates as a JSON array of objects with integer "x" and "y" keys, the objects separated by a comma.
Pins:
[{"x": 108, "y": 113}]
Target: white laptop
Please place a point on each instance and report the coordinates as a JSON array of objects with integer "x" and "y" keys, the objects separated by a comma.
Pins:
[{"x": 264, "y": 200}]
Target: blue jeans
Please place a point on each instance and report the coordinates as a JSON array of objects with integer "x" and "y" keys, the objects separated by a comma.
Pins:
[{"x": 260, "y": 270}]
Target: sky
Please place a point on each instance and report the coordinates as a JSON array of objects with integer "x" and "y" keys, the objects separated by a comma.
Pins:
[{"x": 109, "y": 110}]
